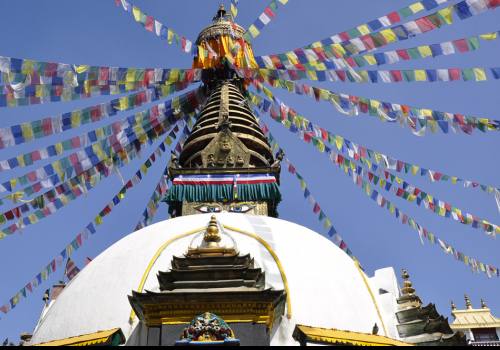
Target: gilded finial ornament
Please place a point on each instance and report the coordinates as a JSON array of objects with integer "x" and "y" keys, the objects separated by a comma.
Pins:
[
  {"x": 407, "y": 285},
  {"x": 453, "y": 306},
  {"x": 483, "y": 304},
  {"x": 468, "y": 303},
  {"x": 212, "y": 236}
]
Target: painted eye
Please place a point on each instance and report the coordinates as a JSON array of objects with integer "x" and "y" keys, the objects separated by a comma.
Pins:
[
  {"x": 244, "y": 208},
  {"x": 208, "y": 209}
]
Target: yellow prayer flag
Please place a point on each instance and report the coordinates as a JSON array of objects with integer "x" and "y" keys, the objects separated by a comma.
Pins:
[
  {"x": 82, "y": 68},
  {"x": 339, "y": 50},
  {"x": 27, "y": 67},
  {"x": 13, "y": 183},
  {"x": 312, "y": 75},
  {"x": 292, "y": 57},
  {"x": 253, "y": 31},
  {"x": 76, "y": 119},
  {"x": 339, "y": 142},
  {"x": 27, "y": 131},
  {"x": 59, "y": 148},
  {"x": 20, "y": 160},
  {"x": 137, "y": 13},
  {"x": 130, "y": 76},
  {"x": 364, "y": 29},
  {"x": 123, "y": 103},
  {"x": 425, "y": 51},
  {"x": 284, "y": 2},
  {"x": 480, "y": 74},
  {"x": 370, "y": 59},
  {"x": 98, "y": 220},
  {"x": 414, "y": 169},
  {"x": 447, "y": 14},
  {"x": 420, "y": 75},
  {"x": 489, "y": 36},
  {"x": 417, "y": 7},
  {"x": 170, "y": 36},
  {"x": 389, "y": 35}
]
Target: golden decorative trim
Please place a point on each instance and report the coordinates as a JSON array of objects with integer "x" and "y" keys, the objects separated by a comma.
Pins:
[
  {"x": 371, "y": 295},
  {"x": 97, "y": 338},
  {"x": 334, "y": 336},
  {"x": 155, "y": 258},
  {"x": 276, "y": 260}
]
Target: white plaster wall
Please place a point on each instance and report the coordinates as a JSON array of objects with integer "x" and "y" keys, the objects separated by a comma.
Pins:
[{"x": 326, "y": 288}]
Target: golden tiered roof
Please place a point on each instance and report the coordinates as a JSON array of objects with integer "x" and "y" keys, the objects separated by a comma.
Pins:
[{"x": 471, "y": 318}]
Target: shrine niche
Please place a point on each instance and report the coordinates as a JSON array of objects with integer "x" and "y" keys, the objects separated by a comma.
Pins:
[{"x": 226, "y": 151}]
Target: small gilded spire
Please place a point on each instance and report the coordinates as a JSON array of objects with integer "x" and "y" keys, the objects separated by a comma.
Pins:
[
  {"x": 453, "y": 306},
  {"x": 483, "y": 304},
  {"x": 212, "y": 236},
  {"x": 468, "y": 304},
  {"x": 407, "y": 285}
]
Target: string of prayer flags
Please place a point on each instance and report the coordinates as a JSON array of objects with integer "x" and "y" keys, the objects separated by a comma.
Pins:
[
  {"x": 234, "y": 8},
  {"x": 317, "y": 59},
  {"x": 84, "y": 235},
  {"x": 402, "y": 189},
  {"x": 419, "y": 120},
  {"x": 139, "y": 120},
  {"x": 383, "y": 21},
  {"x": 156, "y": 27},
  {"x": 263, "y": 20},
  {"x": 334, "y": 236},
  {"x": 70, "y": 190},
  {"x": 475, "y": 74},
  {"x": 162, "y": 187},
  {"x": 373, "y": 159},
  {"x": 30, "y": 131},
  {"x": 374, "y": 40},
  {"x": 381, "y": 201},
  {"x": 475, "y": 265},
  {"x": 98, "y": 151}
]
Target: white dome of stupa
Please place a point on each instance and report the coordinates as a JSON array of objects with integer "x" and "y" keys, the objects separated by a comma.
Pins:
[{"x": 326, "y": 289}]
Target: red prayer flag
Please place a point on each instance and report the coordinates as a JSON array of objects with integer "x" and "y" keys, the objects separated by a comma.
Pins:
[
  {"x": 461, "y": 45},
  {"x": 150, "y": 22},
  {"x": 396, "y": 75},
  {"x": 344, "y": 36},
  {"x": 494, "y": 3},
  {"x": 454, "y": 73},
  {"x": 394, "y": 17},
  {"x": 403, "y": 54},
  {"x": 425, "y": 24}
]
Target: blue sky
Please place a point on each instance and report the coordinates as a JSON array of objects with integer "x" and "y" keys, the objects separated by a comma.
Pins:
[{"x": 96, "y": 32}]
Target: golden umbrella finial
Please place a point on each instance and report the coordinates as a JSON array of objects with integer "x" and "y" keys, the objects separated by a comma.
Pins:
[
  {"x": 407, "y": 285},
  {"x": 468, "y": 303},
  {"x": 212, "y": 236}
]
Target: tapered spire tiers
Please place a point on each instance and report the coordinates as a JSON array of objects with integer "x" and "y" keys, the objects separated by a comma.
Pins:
[{"x": 227, "y": 163}]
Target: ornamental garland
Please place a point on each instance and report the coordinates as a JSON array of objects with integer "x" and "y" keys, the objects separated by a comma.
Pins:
[
  {"x": 95, "y": 153},
  {"x": 85, "y": 234},
  {"x": 350, "y": 169},
  {"x": 30, "y": 131},
  {"x": 408, "y": 192},
  {"x": 263, "y": 20},
  {"x": 316, "y": 59},
  {"x": 475, "y": 74},
  {"x": 154, "y": 26},
  {"x": 68, "y": 191},
  {"x": 369, "y": 157},
  {"x": 373, "y": 41},
  {"x": 418, "y": 119}
]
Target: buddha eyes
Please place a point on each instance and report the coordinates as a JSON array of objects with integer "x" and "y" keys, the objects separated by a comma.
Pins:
[
  {"x": 235, "y": 208},
  {"x": 208, "y": 209},
  {"x": 243, "y": 208}
]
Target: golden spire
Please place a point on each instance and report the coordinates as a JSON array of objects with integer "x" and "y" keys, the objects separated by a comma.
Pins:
[
  {"x": 468, "y": 304},
  {"x": 483, "y": 304},
  {"x": 453, "y": 306},
  {"x": 407, "y": 285},
  {"x": 212, "y": 236}
]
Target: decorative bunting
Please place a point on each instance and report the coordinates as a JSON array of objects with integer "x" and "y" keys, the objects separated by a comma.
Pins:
[
  {"x": 383, "y": 22},
  {"x": 98, "y": 151},
  {"x": 350, "y": 170},
  {"x": 418, "y": 119},
  {"x": 476, "y": 74},
  {"x": 408, "y": 191},
  {"x": 317, "y": 60},
  {"x": 63, "y": 194},
  {"x": 373, "y": 41},
  {"x": 334, "y": 236},
  {"x": 89, "y": 230},
  {"x": 234, "y": 8},
  {"x": 373, "y": 159},
  {"x": 154, "y": 26},
  {"x": 162, "y": 187},
  {"x": 263, "y": 20},
  {"x": 140, "y": 121},
  {"x": 30, "y": 131}
]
